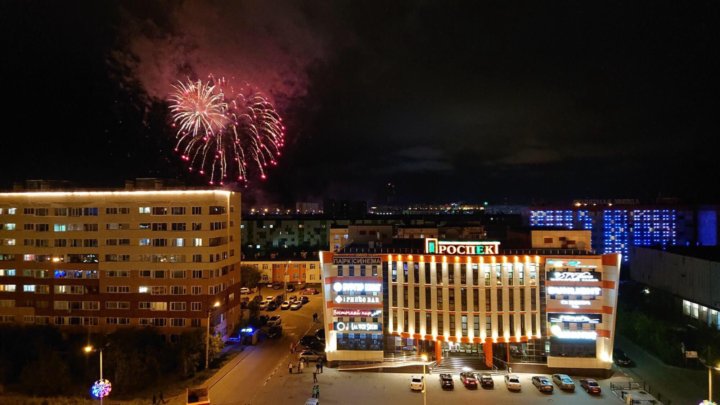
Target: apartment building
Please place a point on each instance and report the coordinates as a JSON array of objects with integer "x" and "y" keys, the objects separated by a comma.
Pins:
[{"x": 167, "y": 258}]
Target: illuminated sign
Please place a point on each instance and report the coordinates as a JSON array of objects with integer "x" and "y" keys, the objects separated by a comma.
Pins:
[
  {"x": 557, "y": 290},
  {"x": 357, "y": 327},
  {"x": 568, "y": 263},
  {"x": 579, "y": 276},
  {"x": 557, "y": 331},
  {"x": 357, "y": 299},
  {"x": 576, "y": 303},
  {"x": 343, "y": 287},
  {"x": 359, "y": 260},
  {"x": 434, "y": 246},
  {"x": 575, "y": 318},
  {"x": 364, "y": 313}
]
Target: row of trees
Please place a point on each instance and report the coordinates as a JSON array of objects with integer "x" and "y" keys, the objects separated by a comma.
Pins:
[{"x": 40, "y": 360}]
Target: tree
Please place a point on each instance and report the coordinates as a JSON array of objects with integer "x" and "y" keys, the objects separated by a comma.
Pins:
[{"x": 249, "y": 276}]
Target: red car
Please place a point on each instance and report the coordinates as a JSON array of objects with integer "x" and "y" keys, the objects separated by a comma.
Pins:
[
  {"x": 590, "y": 386},
  {"x": 309, "y": 291},
  {"x": 468, "y": 379}
]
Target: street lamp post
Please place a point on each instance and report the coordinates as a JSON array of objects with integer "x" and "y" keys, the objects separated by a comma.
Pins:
[
  {"x": 207, "y": 334},
  {"x": 424, "y": 358},
  {"x": 89, "y": 349},
  {"x": 285, "y": 280}
]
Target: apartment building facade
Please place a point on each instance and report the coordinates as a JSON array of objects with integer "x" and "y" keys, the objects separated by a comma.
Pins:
[{"x": 168, "y": 259}]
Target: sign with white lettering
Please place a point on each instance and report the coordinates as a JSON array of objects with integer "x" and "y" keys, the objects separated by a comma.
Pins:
[
  {"x": 575, "y": 318},
  {"x": 576, "y": 303},
  {"x": 357, "y": 327},
  {"x": 357, "y": 299},
  {"x": 357, "y": 260},
  {"x": 363, "y": 313},
  {"x": 558, "y": 290},
  {"x": 344, "y": 287},
  {"x": 557, "y": 331},
  {"x": 439, "y": 247},
  {"x": 579, "y": 276}
]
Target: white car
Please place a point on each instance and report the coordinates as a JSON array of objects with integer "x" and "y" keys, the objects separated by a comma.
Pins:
[
  {"x": 417, "y": 383},
  {"x": 269, "y": 298},
  {"x": 244, "y": 290},
  {"x": 274, "y": 320},
  {"x": 296, "y": 305},
  {"x": 512, "y": 382},
  {"x": 285, "y": 305},
  {"x": 310, "y": 355}
]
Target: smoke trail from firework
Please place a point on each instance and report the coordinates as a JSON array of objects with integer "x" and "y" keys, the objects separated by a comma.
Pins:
[{"x": 225, "y": 134}]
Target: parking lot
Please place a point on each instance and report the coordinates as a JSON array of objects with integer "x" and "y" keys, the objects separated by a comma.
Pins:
[{"x": 380, "y": 388}]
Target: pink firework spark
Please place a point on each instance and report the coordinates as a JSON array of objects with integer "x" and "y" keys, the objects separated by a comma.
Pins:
[{"x": 223, "y": 133}]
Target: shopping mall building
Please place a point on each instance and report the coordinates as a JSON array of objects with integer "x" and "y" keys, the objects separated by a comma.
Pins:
[{"x": 555, "y": 307}]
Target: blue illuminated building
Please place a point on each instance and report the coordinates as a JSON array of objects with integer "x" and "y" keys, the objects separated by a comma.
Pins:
[{"x": 617, "y": 228}]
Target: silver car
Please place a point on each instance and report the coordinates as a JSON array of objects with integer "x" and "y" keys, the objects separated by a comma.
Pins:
[{"x": 564, "y": 382}]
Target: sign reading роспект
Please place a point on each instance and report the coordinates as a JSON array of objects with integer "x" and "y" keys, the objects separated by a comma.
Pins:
[{"x": 441, "y": 247}]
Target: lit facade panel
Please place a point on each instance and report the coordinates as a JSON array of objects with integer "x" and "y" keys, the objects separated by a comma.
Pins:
[
  {"x": 121, "y": 258},
  {"x": 616, "y": 229},
  {"x": 482, "y": 303}
]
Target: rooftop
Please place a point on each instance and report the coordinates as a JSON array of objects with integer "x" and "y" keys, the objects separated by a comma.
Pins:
[{"x": 711, "y": 253}]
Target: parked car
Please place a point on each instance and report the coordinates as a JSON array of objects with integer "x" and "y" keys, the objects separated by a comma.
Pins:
[
  {"x": 310, "y": 355},
  {"x": 274, "y": 320},
  {"x": 274, "y": 332},
  {"x": 564, "y": 382},
  {"x": 272, "y": 305},
  {"x": 295, "y": 306},
  {"x": 621, "y": 359},
  {"x": 542, "y": 383},
  {"x": 269, "y": 298},
  {"x": 292, "y": 299},
  {"x": 590, "y": 386},
  {"x": 313, "y": 343},
  {"x": 263, "y": 305},
  {"x": 244, "y": 290},
  {"x": 446, "y": 381},
  {"x": 512, "y": 382},
  {"x": 277, "y": 286},
  {"x": 304, "y": 299},
  {"x": 290, "y": 288},
  {"x": 312, "y": 401},
  {"x": 309, "y": 291},
  {"x": 486, "y": 381},
  {"x": 417, "y": 383},
  {"x": 285, "y": 305},
  {"x": 320, "y": 334},
  {"x": 468, "y": 379}
]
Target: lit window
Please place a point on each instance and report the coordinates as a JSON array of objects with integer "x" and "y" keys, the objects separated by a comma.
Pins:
[
  {"x": 144, "y": 210},
  {"x": 143, "y": 289}
]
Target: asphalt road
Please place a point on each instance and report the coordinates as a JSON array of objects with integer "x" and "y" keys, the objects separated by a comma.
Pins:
[{"x": 259, "y": 365}]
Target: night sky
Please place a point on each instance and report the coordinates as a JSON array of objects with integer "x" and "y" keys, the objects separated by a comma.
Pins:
[{"x": 448, "y": 100}]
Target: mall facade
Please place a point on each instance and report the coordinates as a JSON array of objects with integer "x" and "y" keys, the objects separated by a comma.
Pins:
[{"x": 535, "y": 306}]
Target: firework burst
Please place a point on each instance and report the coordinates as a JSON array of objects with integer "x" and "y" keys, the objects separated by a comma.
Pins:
[{"x": 223, "y": 133}]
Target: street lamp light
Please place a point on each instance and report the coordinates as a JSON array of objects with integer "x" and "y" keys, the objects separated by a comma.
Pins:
[
  {"x": 207, "y": 335},
  {"x": 424, "y": 358}
]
